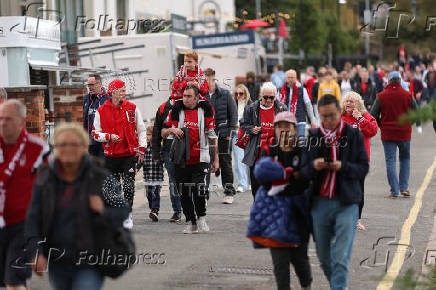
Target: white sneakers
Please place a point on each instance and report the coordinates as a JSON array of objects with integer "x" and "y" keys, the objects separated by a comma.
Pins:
[
  {"x": 228, "y": 199},
  {"x": 240, "y": 189},
  {"x": 202, "y": 225},
  {"x": 128, "y": 223},
  {"x": 191, "y": 229}
]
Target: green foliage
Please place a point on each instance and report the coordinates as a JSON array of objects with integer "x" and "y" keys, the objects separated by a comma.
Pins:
[
  {"x": 409, "y": 280},
  {"x": 424, "y": 114},
  {"x": 312, "y": 32},
  {"x": 342, "y": 40}
]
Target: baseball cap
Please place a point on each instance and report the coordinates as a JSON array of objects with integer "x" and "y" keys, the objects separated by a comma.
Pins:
[
  {"x": 394, "y": 74},
  {"x": 285, "y": 116},
  {"x": 115, "y": 85}
]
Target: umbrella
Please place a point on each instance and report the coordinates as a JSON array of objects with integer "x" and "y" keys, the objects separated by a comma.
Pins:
[{"x": 253, "y": 24}]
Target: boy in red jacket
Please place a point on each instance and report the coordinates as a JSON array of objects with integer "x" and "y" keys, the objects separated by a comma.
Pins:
[{"x": 189, "y": 72}]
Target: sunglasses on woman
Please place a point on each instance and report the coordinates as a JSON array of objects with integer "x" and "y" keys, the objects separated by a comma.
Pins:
[
  {"x": 268, "y": 97},
  {"x": 239, "y": 94}
]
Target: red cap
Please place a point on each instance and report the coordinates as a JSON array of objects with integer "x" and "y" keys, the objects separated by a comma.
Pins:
[{"x": 115, "y": 85}]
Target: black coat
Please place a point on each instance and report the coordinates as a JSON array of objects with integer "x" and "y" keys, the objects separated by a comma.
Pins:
[
  {"x": 250, "y": 120},
  {"x": 353, "y": 157},
  {"x": 226, "y": 112},
  {"x": 254, "y": 90},
  {"x": 156, "y": 141},
  {"x": 370, "y": 95},
  {"x": 43, "y": 210}
]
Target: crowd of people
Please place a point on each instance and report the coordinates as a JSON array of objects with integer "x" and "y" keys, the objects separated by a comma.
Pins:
[{"x": 304, "y": 182}]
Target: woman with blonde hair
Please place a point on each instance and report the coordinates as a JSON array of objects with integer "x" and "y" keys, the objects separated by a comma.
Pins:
[
  {"x": 242, "y": 98},
  {"x": 71, "y": 196},
  {"x": 355, "y": 114}
]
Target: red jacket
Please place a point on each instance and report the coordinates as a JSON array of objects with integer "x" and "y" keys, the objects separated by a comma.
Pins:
[
  {"x": 19, "y": 190},
  {"x": 183, "y": 77},
  {"x": 308, "y": 85},
  {"x": 367, "y": 125},
  {"x": 124, "y": 120},
  {"x": 394, "y": 102}
]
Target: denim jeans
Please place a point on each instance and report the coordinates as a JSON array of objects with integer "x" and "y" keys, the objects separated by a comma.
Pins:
[
  {"x": 431, "y": 94},
  {"x": 225, "y": 162},
  {"x": 66, "y": 277},
  {"x": 301, "y": 129},
  {"x": 390, "y": 148},
  {"x": 174, "y": 194},
  {"x": 241, "y": 169},
  {"x": 334, "y": 227},
  {"x": 152, "y": 192}
]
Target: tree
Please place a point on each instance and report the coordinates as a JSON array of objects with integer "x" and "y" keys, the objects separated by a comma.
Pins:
[{"x": 310, "y": 29}]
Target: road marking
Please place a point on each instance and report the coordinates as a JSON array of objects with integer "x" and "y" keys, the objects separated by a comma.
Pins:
[{"x": 399, "y": 256}]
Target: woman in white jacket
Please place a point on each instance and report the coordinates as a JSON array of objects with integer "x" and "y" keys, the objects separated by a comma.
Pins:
[{"x": 242, "y": 98}]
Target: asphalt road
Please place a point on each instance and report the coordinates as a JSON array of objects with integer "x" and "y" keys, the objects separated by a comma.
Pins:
[{"x": 225, "y": 259}]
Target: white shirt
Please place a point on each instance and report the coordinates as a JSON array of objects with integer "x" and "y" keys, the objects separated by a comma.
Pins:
[
  {"x": 345, "y": 87},
  {"x": 241, "y": 107}
]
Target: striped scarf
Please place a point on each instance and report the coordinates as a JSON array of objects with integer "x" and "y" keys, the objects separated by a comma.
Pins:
[{"x": 331, "y": 138}]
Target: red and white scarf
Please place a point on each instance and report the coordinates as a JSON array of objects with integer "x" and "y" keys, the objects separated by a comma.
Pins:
[
  {"x": 7, "y": 168},
  {"x": 331, "y": 138},
  {"x": 284, "y": 95},
  {"x": 182, "y": 75}
]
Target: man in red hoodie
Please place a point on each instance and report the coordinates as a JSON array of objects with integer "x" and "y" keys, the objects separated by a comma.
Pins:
[
  {"x": 118, "y": 124},
  {"x": 390, "y": 104},
  {"x": 20, "y": 155}
]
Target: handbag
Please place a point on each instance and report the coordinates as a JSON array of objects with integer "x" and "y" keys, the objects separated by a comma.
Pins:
[
  {"x": 180, "y": 151},
  {"x": 116, "y": 245},
  {"x": 242, "y": 139}
]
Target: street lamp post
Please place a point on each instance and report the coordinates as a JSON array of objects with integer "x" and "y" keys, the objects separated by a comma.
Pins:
[{"x": 258, "y": 9}]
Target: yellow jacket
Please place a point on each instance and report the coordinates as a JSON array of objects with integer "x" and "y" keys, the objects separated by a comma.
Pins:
[{"x": 330, "y": 88}]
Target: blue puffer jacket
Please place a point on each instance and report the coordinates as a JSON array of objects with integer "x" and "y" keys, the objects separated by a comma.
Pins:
[{"x": 279, "y": 220}]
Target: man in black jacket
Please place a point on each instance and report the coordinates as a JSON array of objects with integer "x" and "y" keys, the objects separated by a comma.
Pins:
[
  {"x": 366, "y": 88},
  {"x": 252, "y": 85},
  {"x": 226, "y": 119},
  {"x": 159, "y": 143},
  {"x": 335, "y": 159},
  {"x": 91, "y": 102}
]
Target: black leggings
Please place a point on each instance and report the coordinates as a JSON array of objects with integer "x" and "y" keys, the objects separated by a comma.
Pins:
[
  {"x": 254, "y": 184},
  {"x": 282, "y": 257}
]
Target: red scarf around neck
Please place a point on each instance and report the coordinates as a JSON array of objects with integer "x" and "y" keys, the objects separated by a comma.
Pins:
[
  {"x": 331, "y": 138},
  {"x": 284, "y": 96}
]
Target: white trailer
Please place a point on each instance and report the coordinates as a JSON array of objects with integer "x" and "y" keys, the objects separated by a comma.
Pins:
[
  {"x": 152, "y": 60},
  {"x": 149, "y": 62}
]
